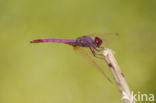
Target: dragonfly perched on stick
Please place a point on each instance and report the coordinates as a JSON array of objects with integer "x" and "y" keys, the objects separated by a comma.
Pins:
[{"x": 94, "y": 44}]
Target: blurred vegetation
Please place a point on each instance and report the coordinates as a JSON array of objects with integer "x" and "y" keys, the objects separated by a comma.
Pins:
[{"x": 54, "y": 73}]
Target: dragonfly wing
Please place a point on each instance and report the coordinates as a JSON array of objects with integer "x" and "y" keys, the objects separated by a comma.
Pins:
[
  {"x": 105, "y": 36},
  {"x": 86, "y": 54}
]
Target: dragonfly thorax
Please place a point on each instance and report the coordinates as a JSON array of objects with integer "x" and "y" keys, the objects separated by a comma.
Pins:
[{"x": 84, "y": 41}]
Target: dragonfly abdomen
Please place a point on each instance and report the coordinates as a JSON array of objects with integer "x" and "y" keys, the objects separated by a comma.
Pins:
[
  {"x": 66, "y": 41},
  {"x": 45, "y": 40}
]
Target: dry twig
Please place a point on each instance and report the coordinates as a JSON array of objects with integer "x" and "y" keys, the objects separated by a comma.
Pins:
[{"x": 118, "y": 76}]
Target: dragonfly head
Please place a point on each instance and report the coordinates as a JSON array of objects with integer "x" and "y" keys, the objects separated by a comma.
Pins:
[{"x": 98, "y": 41}]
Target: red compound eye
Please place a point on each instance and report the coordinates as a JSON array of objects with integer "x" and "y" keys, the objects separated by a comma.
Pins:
[{"x": 98, "y": 41}]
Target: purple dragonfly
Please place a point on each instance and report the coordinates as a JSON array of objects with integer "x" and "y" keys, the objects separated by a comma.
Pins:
[
  {"x": 94, "y": 44},
  {"x": 84, "y": 41}
]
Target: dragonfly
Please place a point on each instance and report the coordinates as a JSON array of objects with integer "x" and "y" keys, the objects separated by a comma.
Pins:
[{"x": 88, "y": 41}]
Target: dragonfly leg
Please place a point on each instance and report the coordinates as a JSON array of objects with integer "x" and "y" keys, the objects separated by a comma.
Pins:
[
  {"x": 101, "y": 48},
  {"x": 97, "y": 55},
  {"x": 92, "y": 50}
]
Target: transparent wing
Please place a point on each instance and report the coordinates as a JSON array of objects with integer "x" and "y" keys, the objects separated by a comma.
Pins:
[
  {"x": 104, "y": 35},
  {"x": 87, "y": 55}
]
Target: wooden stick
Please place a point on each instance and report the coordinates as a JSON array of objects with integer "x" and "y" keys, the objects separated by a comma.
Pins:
[{"x": 119, "y": 78}]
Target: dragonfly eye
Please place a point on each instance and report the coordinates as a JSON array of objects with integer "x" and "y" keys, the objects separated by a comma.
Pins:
[{"x": 98, "y": 41}]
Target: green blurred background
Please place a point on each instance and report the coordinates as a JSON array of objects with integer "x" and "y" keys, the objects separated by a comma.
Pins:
[{"x": 54, "y": 73}]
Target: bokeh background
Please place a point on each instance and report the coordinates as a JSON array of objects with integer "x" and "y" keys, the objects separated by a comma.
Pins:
[{"x": 54, "y": 73}]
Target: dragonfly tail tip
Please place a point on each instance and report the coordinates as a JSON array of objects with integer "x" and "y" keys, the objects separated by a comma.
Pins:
[{"x": 31, "y": 42}]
